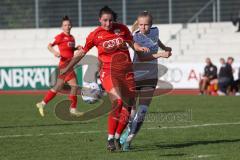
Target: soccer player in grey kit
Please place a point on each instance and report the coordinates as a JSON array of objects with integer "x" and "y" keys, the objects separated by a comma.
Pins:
[{"x": 146, "y": 36}]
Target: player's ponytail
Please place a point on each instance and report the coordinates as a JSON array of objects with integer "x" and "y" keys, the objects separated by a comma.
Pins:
[
  {"x": 134, "y": 26},
  {"x": 107, "y": 10},
  {"x": 142, "y": 14}
]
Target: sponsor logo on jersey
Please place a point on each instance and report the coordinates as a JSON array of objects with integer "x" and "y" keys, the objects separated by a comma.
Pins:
[
  {"x": 113, "y": 43},
  {"x": 117, "y": 31}
]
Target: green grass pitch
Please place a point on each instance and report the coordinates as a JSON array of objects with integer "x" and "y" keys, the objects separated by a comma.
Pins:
[{"x": 177, "y": 127}]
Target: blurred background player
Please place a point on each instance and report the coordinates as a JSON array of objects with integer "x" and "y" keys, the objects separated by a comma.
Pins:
[
  {"x": 236, "y": 21},
  {"x": 115, "y": 70},
  {"x": 237, "y": 84},
  {"x": 225, "y": 76},
  {"x": 146, "y": 36},
  {"x": 232, "y": 88},
  {"x": 66, "y": 44},
  {"x": 210, "y": 74}
]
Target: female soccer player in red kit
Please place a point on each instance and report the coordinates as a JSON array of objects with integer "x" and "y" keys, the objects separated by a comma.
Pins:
[
  {"x": 66, "y": 44},
  {"x": 116, "y": 75}
]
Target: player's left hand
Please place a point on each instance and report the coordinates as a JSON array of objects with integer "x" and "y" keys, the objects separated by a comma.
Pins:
[
  {"x": 169, "y": 49},
  {"x": 62, "y": 71},
  {"x": 79, "y": 53},
  {"x": 78, "y": 47}
]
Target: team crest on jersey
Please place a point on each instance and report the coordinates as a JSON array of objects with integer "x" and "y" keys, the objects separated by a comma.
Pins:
[
  {"x": 117, "y": 31},
  {"x": 100, "y": 37},
  {"x": 71, "y": 44}
]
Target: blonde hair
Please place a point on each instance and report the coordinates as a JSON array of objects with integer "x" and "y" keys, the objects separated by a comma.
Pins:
[
  {"x": 142, "y": 14},
  {"x": 135, "y": 26}
]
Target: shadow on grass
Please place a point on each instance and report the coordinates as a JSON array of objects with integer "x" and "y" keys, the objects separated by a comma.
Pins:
[
  {"x": 154, "y": 146},
  {"x": 195, "y": 143}
]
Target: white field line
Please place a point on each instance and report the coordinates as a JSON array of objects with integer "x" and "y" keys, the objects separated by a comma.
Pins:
[
  {"x": 197, "y": 125},
  {"x": 202, "y": 156},
  {"x": 102, "y": 131}
]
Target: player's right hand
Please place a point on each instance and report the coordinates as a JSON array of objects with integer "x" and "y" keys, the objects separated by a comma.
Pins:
[
  {"x": 57, "y": 54},
  {"x": 144, "y": 49}
]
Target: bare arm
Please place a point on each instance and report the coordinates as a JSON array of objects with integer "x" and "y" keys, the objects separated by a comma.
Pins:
[
  {"x": 136, "y": 47},
  {"x": 78, "y": 47},
  {"x": 140, "y": 49},
  {"x": 157, "y": 55},
  {"x": 53, "y": 51},
  {"x": 162, "y": 46},
  {"x": 79, "y": 55}
]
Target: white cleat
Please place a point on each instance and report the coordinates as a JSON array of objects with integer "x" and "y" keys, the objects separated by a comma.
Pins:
[
  {"x": 237, "y": 94},
  {"x": 40, "y": 107},
  {"x": 220, "y": 93},
  {"x": 75, "y": 112}
]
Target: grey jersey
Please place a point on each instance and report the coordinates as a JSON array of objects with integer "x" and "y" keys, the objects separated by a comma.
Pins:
[{"x": 147, "y": 69}]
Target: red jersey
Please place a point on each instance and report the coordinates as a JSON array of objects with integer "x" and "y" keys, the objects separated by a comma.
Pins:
[
  {"x": 110, "y": 43},
  {"x": 66, "y": 45}
]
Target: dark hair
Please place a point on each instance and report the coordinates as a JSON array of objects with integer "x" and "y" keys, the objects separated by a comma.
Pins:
[
  {"x": 66, "y": 18},
  {"x": 107, "y": 10},
  {"x": 231, "y": 58}
]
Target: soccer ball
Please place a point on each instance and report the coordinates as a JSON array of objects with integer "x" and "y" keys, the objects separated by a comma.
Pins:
[{"x": 91, "y": 92}]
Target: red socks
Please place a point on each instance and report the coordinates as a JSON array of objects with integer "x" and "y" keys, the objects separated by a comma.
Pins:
[
  {"x": 123, "y": 121},
  {"x": 114, "y": 116},
  {"x": 73, "y": 99},
  {"x": 49, "y": 96}
]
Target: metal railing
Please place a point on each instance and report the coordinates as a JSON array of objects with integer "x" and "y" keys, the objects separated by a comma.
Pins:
[
  {"x": 212, "y": 3},
  {"x": 48, "y": 13},
  {"x": 177, "y": 37}
]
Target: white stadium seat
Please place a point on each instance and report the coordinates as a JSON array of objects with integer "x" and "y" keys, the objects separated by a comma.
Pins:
[{"x": 197, "y": 41}]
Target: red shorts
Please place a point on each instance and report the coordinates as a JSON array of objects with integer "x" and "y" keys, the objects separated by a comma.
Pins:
[
  {"x": 69, "y": 75},
  {"x": 124, "y": 81}
]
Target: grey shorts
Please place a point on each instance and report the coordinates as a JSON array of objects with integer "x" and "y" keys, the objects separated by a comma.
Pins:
[{"x": 146, "y": 83}]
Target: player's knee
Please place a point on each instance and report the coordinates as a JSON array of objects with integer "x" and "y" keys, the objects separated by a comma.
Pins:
[
  {"x": 57, "y": 88},
  {"x": 74, "y": 88},
  {"x": 116, "y": 107}
]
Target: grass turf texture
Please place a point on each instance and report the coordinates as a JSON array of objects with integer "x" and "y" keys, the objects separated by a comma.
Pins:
[{"x": 26, "y": 135}]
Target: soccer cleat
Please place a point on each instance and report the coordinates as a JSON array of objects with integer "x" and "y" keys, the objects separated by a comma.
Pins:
[
  {"x": 220, "y": 93},
  {"x": 124, "y": 136},
  {"x": 110, "y": 145},
  {"x": 117, "y": 144},
  {"x": 74, "y": 112},
  {"x": 40, "y": 107},
  {"x": 126, "y": 147}
]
